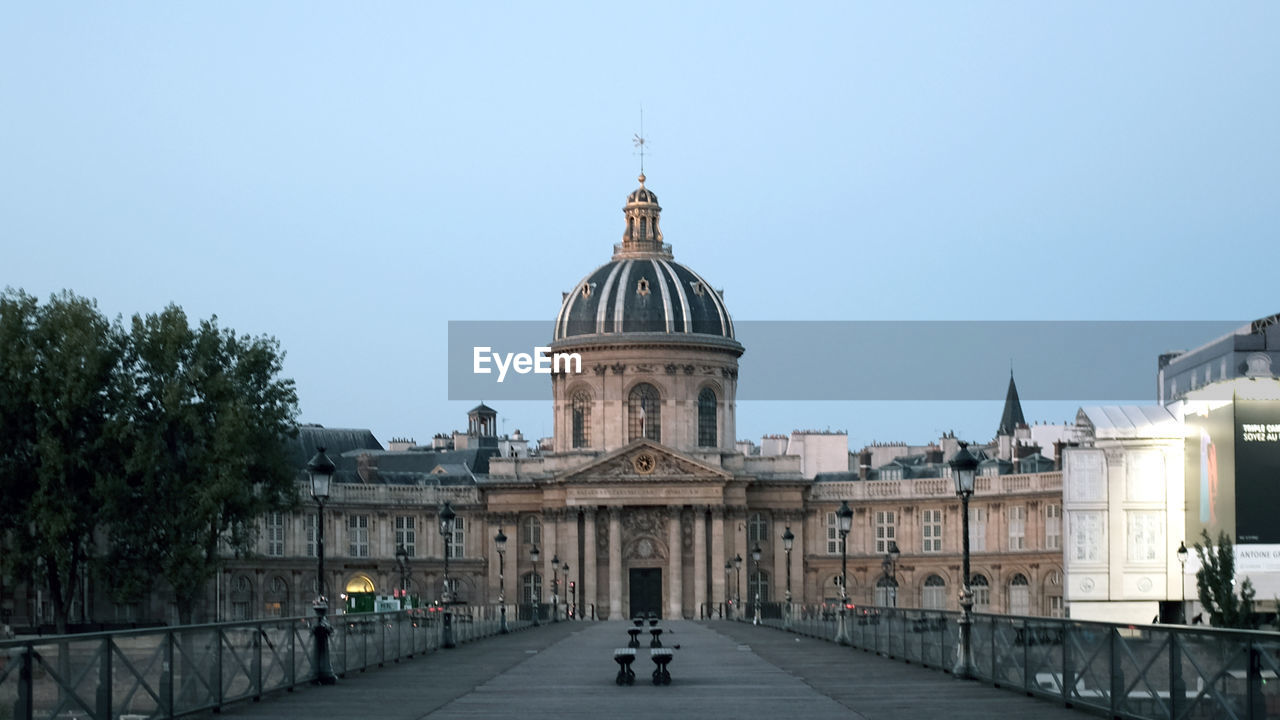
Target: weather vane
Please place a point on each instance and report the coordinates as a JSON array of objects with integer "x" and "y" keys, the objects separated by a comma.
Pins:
[{"x": 639, "y": 140}]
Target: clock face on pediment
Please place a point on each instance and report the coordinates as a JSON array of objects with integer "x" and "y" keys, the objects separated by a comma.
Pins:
[{"x": 645, "y": 461}]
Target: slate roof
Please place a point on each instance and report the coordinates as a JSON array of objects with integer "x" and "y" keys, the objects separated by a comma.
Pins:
[
  {"x": 335, "y": 441},
  {"x": 643, "y": 295},
  {"x": 1012, "y": 416}
]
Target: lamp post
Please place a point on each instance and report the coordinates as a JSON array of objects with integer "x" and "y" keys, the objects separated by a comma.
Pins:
[
  {"x": 321, "y": 469},
  {"x": 788, "y": 539},
  {"x": 446, "y": 596},
  {"x": 845, "y": 516},
  {"x": 1182, "y": 582},
  {"x": 500, "y": 542},
  {"x": 755, "y": 556},
  {"x": 402, "y": 563},
  {"x": 728, "y": 599},
  {"x": 737, "y": 581},
  {"x": 890, "y": 567},
  {"x": 963, "y": 466},
  {"x": 555, "y": 587},
  {"x": 534, "y": 554},
  {"x": 564, "y": 570}
]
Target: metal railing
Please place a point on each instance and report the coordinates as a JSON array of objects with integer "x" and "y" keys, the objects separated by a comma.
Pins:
[
  {"x": 1173, "y": 672},
  {"x": 169, "y": 672}
]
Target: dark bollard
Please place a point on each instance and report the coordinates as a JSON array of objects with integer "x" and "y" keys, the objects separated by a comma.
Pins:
[
  {"x": 656, "y": 642},
  {"x": 322, "y": 630},
  {"x": 661, "y": 659},
  {"x": 446, "y": 630},
  {"x": 635, "y": 637}
]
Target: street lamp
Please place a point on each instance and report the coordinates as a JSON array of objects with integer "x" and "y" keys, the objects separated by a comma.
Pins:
[
  {"x": 565, "y": 570},
  {"x": 788, "y": 539},
  {"x": 1182, "y": 582},
  {"x": 534, "y": 554},
  {"x": 728, "y": 600},
  {"x": 755, "y": 555},
  {"x": 845, "y": 516},
  {"x": 500, "y": 542},
  {"x": 320, "y": 469},
  {"x": 555, "y": 588},
  {"x": 737, "y": 580},
  {"x": 890, "y": 567},
  {"x": 402, "y": 562},
  {"x": 446, "y": 596},
  {"x": 963, "y": 467}
]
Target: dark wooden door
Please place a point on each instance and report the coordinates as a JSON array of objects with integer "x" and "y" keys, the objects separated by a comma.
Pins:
[{"x": 646, "y": 592}]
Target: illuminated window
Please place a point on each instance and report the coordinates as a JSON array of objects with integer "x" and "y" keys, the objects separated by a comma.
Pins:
[{"x": 644, "y": 413}]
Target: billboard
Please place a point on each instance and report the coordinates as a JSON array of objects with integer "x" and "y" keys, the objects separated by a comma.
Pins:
[
  {"x": 1233, "y": 471},
  {"x": 1257, "y": 470}
]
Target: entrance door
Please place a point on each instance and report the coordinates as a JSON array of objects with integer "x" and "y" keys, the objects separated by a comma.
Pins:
[{"x": 646, "y": 592}]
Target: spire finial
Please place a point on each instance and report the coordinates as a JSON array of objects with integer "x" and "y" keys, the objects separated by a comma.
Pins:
[{"x": 639, "y": 141}]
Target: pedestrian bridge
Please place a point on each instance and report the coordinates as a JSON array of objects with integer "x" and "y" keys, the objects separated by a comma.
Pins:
[{"x": 393, "y": 669}]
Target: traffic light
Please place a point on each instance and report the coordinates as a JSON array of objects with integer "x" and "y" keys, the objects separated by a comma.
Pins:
[{"x": 572, "y": 585}]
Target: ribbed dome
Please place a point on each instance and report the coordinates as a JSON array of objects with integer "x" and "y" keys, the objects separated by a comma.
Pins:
[{"x": 643, "y": 295}]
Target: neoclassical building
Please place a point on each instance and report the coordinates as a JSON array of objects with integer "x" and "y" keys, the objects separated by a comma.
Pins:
[{"x": 644, "y": 497}]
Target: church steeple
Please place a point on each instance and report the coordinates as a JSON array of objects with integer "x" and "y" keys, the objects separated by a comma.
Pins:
[
  {"x": 1012, "y": 416},
  {"x": 642, "y": 237}
]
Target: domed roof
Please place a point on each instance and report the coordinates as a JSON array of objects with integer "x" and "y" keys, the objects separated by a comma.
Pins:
[
  {"x": 643, "y": 290},
  {"x": 643, "y": 295}
]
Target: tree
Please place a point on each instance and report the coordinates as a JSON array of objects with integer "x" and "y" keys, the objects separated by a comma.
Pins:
[
  {"x": 60, "y": 381},
  {"x": 208, "y": 417},
  {"x": 1215, "y": 585}
]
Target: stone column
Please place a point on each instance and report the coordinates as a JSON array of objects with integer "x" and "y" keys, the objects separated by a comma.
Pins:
[
  {"x": 742, "y": 575},
  {"x": 675, "y": 564},
  {"x": 550, "y": 518},
  {"x": 718, "y": 556},
  {"x": 797, "y": 562},
  {"x": 569, "y": 555},
  {"x": 778, "y": 581},
  {"x": 615, "y": 563},
  {"x": 699, "y": 559},
  {"x": 590, "y": 595}
]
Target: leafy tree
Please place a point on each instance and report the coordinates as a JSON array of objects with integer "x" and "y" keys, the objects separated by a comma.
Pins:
[
  {"x": 60, "y": 373},
  {"x": 1215, "y": 585},
  {"x": 208, "y": 417}
]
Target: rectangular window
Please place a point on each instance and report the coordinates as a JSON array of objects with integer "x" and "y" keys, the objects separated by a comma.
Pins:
[
  {"x": 757, "y": 529},
  {"x": 1053, "y": 527},
  {"x": 886, "y": 530},
  {"x": 1055, "y": 606},
  {"x": 931, "y": 530},
  {"x": 978, "y": 529},
  {"x": 309, "y": 531},
  {"x": 833, "y": 534},
  {"x": 406, "y": 533},
  {"x": 456, "y": 545},
  {"x": 1145, "y": 531},
  {"x": 1017, "y": 527},
  {"x": 275, "y": 534},
  {"x": 358, "y": 535},
  {"x": 1086, "y": 536}
]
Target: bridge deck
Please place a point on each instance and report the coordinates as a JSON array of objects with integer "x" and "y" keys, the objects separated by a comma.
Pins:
[{"x": 722, "y": 670}]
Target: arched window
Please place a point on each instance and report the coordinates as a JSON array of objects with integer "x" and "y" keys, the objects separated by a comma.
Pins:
[
  {"x": 277, "y": 597},
  {"x": 531, "y": 588},
  {"x": 934, "y": 595},
  {"x": 241, "y": 598},
  {"x": 1019, "y": 595},
  {"x": 532, "y": 528},
  {"x": 644, "y": 413},
  {"x": 757, "y": 529},
  {"x": 981, "y": 593},
  {"x": 886, "y": 591},
  {"x": 758, "y": 585},
  {"x": 707, "y": 435},
  {"x": 580, "y": 412}
]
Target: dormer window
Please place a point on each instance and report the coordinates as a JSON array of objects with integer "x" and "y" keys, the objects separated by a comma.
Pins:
[
  {"x": 699, "y": 288},
  {"x": 642, "y": 287},
  {"x": 586, "y": 290}
]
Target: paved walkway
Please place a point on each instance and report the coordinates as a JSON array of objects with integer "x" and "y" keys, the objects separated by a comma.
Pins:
[{"x": 721, "y": 670}]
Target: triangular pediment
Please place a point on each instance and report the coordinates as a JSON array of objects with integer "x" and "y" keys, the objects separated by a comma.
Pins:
[{"x": 645, "y": 461}]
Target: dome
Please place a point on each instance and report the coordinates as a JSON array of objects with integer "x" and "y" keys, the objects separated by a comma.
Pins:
[
  {"x": 643, "y": 295},
  {"x": 643, "y": 290}
]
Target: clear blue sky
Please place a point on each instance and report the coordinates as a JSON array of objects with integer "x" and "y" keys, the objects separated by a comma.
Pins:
[{"x": 350, "y": 176}]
